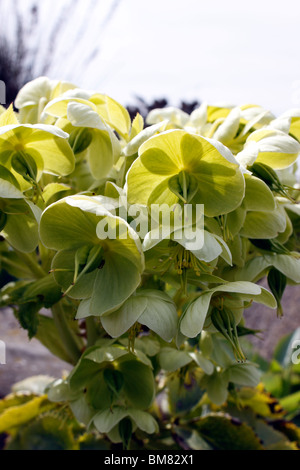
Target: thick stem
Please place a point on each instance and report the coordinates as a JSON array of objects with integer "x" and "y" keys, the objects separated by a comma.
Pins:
[
  {"x": 32, "y": 264},
  {"x": 65, "y": 333}
]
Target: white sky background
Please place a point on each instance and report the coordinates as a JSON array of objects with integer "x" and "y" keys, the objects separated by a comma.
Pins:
[{"x": 217, "y": 51}]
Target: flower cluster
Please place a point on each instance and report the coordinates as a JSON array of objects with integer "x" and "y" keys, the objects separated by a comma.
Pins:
[{"x": 74, "y": 174}]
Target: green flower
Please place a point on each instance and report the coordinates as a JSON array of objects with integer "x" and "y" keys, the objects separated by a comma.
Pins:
[
  {"x": 221, "y": 309},
  {"x": 29, "y": 150},
  {"x": 288, "y": 122},
  {"x": 99, "y": 255},
  {"x": 176, "y": 165},
  {"x": 35, "y": 95},
  {"x": 270, "y": 147},
  {"x": 109, "y": 383},
  {"x": 259, "y": 217},
  {"x": 110, "y": 111}
]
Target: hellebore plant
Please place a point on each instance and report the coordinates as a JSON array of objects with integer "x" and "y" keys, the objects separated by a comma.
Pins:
[{"x": 146, "y": 306}]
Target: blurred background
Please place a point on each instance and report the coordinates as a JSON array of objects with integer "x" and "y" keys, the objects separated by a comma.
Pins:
[{"x": 216, "y": 51}]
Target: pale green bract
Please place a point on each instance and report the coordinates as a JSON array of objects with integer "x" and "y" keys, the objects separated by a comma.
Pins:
[{"x": 152, "y": 323}]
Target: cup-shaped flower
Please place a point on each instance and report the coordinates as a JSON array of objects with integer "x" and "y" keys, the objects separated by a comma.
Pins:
[
  {"x": 34, "y": 96},
  {"x": 136, "y": 371},
  {"x": 94, "y": 137},
  {"x": 152, "y": 308},
  {"x": 288, "y": 122},
  {"x": 222, "y": 307},
  {"x": 99, "y": 255},
  {"x": 259, "y": 216},
  {"x": 236, "y": 127},
  {"x": 29, "y": 150},
  {"x": 188, "y": 250},
  {"x": 108, "y": 378},
  {"x": 177, "y": 166},
  {"x": 270, "y": 147},
  {"x": 111, "y": 112},
  {"x": 249, "y": 112}
]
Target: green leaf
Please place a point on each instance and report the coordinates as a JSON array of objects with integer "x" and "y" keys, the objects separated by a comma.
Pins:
[
  {"x": 291, "y": 402},
  {"x": 48, "y": 335},
  {"x": 16, "y": 416},
  {"x": 28, "y": 317},
  {"x": 44, "y": 290},
  {"x": 47, "y": 433},
  {"x": 11, "y": 263},
  {"x": 228, "y": 434}
]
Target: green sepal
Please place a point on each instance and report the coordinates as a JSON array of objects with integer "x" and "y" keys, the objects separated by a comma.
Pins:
[
  {"x": 80, "y": 140},
  {"x": 277, "y": 283}
]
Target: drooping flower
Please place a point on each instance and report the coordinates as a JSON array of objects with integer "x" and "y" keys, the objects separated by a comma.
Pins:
[
  {"x": 221, "y": 309},
  {"x": 99, "y": 255}
]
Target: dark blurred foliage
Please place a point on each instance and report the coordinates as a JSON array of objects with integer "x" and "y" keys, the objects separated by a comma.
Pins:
[
  {"x": 10, "y": 69},
  {"x": 13, "y": 69},
  {"x": 143, "y": 108}
]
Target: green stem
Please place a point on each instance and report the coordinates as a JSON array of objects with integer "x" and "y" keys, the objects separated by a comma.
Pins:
[
  {"x": 92, "y": 332},
  {"x": 11, "y": 263},
  {"x": 122, "y": 174},
  {"x": 65, "y": 333},
  {"x": 32, "y": 264}
]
